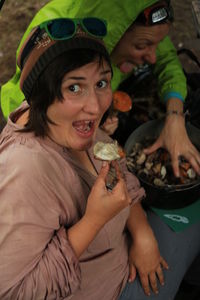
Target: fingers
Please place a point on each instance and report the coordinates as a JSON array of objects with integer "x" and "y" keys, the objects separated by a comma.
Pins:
[
  {"x": 153, "y": 282},
  {"x": 160, "y": 275},
  {"x": 117, "y": 169},
  {"x": 145, "y": 283},
  {"x": 132, "y": 273},
  {"x": 150, "y": 281},
  {"x": 153, "y": 147},
  {"x": 111, "y": 120},
  {"x": 197, "y": 156},
  {"x": 104, "y": 169},
  {"x": 164, "y": 264},
  {"x": 195, "y": 164},
  {"x": 159, "y": 271},
  {"x": 110, "y": 125},
  {"x": 103, "y": 174},
  {"x": 120, "y": 188},
  {"x": 114, "y": 119},
  {"x": 175, "y": 165},
  {"x": 193, "y": 156}
]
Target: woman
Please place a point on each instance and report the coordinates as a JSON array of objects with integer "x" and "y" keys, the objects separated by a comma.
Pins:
[
  {"x": 62, "y": 232},
  {"x": 63, "y": 235}
]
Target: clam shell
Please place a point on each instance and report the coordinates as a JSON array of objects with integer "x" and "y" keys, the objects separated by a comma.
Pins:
[{"x": 106, "y": 151}]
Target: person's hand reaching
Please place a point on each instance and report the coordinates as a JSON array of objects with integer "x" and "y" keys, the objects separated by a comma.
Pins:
[{"x": 174, "y": 138}]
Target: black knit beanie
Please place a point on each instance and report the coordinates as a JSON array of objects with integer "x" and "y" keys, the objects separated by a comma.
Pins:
[{"x": 47, "y": 50}]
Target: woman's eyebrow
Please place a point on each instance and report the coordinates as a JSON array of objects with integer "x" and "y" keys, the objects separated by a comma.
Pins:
[
  {"x": 106, "y": 72},
  {"x": 84, "y": 78},
  {"x": 76, "y": 78}
]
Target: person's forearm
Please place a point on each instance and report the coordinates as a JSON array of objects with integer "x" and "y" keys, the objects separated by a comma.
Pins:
[
  {"x": 174, "y": 113},
  {"x": 137, "y": 221},
  {"x": 81, "y": 235}
]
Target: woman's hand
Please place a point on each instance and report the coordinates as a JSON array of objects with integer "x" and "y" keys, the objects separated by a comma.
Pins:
[
  {"x": 102, "y": 204},
  {"x": 110, "y": 124},
  {"x": 145, "y": 256},
  {"x": 174, "y": 138}
]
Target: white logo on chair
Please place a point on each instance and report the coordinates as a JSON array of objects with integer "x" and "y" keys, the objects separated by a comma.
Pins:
[{"x": 177, "y": 218}]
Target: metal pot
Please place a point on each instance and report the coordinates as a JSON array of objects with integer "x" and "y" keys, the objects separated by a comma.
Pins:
[{"x": 169, "y": 196}]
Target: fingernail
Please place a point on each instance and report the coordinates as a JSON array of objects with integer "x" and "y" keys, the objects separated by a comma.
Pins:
[{"x": 104, "y": 163}]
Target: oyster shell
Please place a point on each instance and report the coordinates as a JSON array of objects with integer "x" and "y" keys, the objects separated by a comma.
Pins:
[
  {"x": 106, "y": 151},
  {"x": 141, "y": 158}
]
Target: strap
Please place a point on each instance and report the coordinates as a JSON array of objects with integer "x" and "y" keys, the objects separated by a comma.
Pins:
[{"x": 190, "y": 54}]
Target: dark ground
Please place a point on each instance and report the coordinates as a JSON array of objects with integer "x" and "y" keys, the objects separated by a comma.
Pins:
[{"x": 15, "y": 16}]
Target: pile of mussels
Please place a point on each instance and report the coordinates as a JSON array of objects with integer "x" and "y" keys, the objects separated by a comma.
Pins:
[{"x": 156, "y": 168}]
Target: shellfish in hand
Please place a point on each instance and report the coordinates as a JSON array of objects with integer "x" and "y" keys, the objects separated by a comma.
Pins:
[{"x": 108, "y": 152}]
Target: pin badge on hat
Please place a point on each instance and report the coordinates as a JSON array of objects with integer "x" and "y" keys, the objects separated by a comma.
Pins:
[{"x": 43, "y": 41}]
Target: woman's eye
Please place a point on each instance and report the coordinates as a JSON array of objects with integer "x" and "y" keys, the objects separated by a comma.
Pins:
[
  {"x": 102, "y": 84},
  {"x": 140, "y": 47},
  {"x": 74, "y": 88}
]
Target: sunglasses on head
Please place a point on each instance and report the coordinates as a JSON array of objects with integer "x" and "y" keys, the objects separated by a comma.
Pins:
[{"x": 63, "y": 29}]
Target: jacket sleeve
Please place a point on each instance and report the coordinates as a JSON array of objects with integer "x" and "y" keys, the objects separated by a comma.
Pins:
[
  {"x": 36, "y": 258},
  {"x": 168, "y": 70}
]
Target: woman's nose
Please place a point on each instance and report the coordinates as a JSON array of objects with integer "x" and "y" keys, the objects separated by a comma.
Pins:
[{"x": 92, "y": 103}]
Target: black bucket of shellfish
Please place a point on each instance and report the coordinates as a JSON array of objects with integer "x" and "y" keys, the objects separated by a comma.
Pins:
[{"x": 163, "y": 189}]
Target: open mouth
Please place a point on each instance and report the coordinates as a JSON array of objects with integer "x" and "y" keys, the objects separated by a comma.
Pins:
[{"x": 84, "y": 126}]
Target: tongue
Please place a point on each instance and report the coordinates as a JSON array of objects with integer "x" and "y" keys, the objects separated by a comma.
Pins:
[
  {"x": 126, "y": 67},
  {"x": 81, "y": 126}
]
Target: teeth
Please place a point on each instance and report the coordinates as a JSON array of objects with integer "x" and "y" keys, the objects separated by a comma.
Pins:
[{"x": 83, "y": 126}]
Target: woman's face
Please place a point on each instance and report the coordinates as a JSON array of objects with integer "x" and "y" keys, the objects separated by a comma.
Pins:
[
  {"x": 86, "y": 96},
  {"x": 138, "y": 46}
]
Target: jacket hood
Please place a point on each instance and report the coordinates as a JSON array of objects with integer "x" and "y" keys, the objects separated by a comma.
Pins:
[{"x": 118, "y": 14}]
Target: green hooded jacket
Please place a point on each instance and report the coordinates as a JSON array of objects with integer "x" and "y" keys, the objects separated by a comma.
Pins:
[{"x": 119, "y": 16}]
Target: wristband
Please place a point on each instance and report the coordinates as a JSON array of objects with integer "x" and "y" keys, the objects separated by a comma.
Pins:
[
  {"x": 175, "y": 112},
  {"x": 173, "y": 95}
]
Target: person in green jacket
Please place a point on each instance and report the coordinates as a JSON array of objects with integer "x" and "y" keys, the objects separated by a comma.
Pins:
[{"x": 130, "y": 44}]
